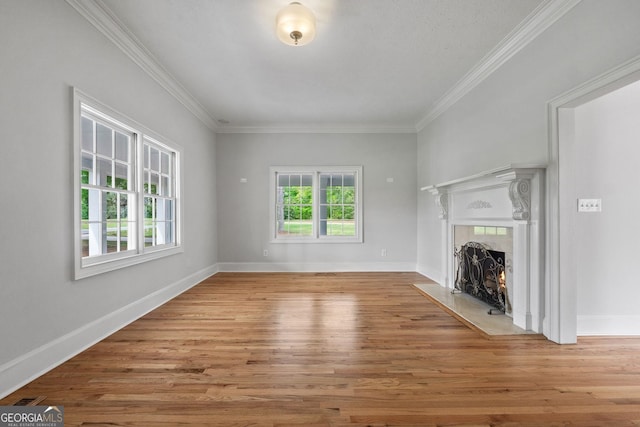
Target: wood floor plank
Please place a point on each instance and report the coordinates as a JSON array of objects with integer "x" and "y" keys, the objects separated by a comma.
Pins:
[{"x": 335, "y": 349}]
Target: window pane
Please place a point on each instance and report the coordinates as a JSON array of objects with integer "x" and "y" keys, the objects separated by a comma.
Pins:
[
  {"x": 86, "y": 175},
  {"x": 103, "y": 140},
  {"x": 168, "y": 231},
  {"x": 155, "y": 181},
  {"x": 148, "y": 208},
  {"x": 284, "y": 194},
  {"x": 146, "y": 156},
  {"x": 349, "y": 195},
  {"x": 168, "y": 209},
  {"x": 165, "y": 163},
  {"x": 110, "y": 204},
  {"x": 84, "y": 204},
  {"x": 160, "y": 209},
  {"x": 349, "y": 212},
  {"x": 294, "y": 205},
  {"x": 112, "y": 238},
  {"x": 87, "y": 134},
  {"x": 104, "y": 172},
  {"x": 163, "y": 232},
  {"x": 111, "y": 219},
  {"x": 294, "y": 181},
  {"x": 154, "y": 159},
  {"x": 165, "y": 186},
  {"x": 124, "y": 236},
  {"x": 84, "y": 236},
  {"x": 124, "y": 206},
  {"x": 129, "y": 235},
  {"x": 122, "y": 176},
  {"x": 122, "y": 147},
  {"x": 159, "y": 233}
]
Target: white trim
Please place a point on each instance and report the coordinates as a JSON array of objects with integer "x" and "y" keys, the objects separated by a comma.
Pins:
[
  {"x": 510, "y": 196},
  {"x": 314, "y": 267},
  {"x": 316, "y": 171},
  {"x": 471, "y": 181},
  {"x": 538, "y": 21},
  {"x": 86, "y": 267},
  {"x": 23, "y": 369},
  {"x": 560, "y": 324},
  {"x": 609, "y": 325},
  {"x": 319, "y": 128},
  {"x": 99, "y": 15}
]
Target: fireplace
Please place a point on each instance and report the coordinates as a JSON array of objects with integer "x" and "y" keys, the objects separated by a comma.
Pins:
[
  {"x": 481, "y": 273},
  {"x": 498, "y": 216}
]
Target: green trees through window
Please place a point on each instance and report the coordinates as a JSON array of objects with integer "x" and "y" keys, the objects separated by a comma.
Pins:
[{"x": 316, "y": 204}]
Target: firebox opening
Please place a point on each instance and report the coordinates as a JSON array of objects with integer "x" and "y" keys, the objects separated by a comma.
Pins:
[{"x": 481, "y": 273}]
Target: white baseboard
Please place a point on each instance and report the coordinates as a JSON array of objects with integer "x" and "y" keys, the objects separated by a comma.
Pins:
[
  {"x": 313, "y": 267},
  {"x": 608, "y": 325},
  {"x": 22, "y": 370}
]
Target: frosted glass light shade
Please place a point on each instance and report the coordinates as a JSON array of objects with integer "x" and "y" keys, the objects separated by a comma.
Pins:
[{"x": 295, "y": 25}]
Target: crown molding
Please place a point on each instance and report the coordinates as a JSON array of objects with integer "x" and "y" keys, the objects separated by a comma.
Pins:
[
  {"x": 318, "y": 128},
  {"x": 538, "y": 21},
  {"x": 108, "y": 24}
]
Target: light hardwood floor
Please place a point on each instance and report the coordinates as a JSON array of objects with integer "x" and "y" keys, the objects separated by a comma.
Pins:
[{"x": 357, "y": 349}]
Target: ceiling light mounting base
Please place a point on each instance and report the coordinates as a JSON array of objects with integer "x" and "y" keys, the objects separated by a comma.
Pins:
[{"x": 296, "y": 36}]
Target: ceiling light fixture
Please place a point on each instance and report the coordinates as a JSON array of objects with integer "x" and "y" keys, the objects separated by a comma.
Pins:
[{"x": 295, "y": 25}]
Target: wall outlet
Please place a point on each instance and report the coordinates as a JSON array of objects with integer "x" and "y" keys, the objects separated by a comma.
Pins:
[
  {"x": 383, "y": 252},
  {"x": 265, "y": 252},
  {"x": 589, "y": 205}
]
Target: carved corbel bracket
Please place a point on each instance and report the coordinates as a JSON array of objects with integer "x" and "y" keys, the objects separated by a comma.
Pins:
[
  {"x": 519, "y": 192},
  {"x": 520, "y": 196},
  {"x": 442, "y": 202}
]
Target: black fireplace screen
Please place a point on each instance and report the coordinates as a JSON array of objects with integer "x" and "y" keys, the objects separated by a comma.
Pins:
[{"x": 481, "y": 274}]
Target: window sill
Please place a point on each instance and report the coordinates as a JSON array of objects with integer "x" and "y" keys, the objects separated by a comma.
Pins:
[{"x": 99, "y": 267}]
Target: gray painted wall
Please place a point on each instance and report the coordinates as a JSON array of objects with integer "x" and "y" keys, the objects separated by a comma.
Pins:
[
  {"x": 504, "y": 119},
  {"x": 389, "y": 208},
  {"x": 47, "y": 48}
]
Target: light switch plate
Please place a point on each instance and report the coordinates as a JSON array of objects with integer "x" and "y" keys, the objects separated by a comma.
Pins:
[{"x": 589, "y": 205}]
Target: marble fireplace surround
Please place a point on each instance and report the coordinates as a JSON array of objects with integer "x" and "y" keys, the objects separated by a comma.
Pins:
[{"x": 510, "y": 196}]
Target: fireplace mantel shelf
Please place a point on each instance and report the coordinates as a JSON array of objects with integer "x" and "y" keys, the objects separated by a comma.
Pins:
[{"x": 497, "y": 173}]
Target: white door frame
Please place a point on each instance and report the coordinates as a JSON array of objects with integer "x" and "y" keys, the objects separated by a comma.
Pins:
[{"x": 560, "y": 324}]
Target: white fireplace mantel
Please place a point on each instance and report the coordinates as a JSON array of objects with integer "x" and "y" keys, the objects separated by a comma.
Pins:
[{"x": 509, "y": 196}]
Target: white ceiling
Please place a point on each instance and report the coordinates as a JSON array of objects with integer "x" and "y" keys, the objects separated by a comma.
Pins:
[{"x": 374, "y": 63}]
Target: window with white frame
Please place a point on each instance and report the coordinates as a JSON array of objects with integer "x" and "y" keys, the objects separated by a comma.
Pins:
[
  {"x": 316, "y": 204},
  {"x": 127, "y": 181},
  {"x": 159, "y": 194}
]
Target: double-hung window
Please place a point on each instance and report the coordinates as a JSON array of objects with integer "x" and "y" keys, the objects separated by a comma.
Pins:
[
  {"x": 127, "y": 182},
  {"x": 159, "y": 194},
  {"x": 316, "y": 204}
]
